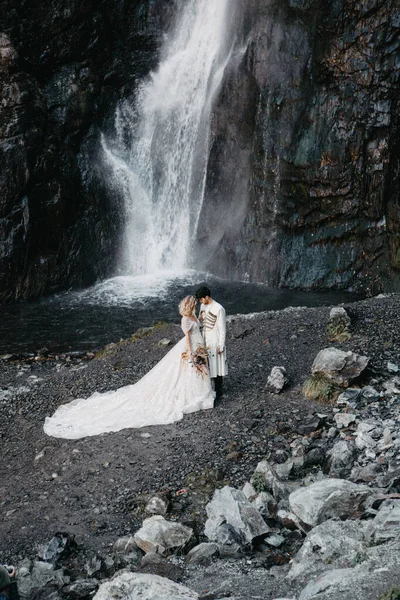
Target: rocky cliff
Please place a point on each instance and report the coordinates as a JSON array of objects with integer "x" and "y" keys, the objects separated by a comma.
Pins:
[
  {"x": 305, "y": 155},
  {"x": 306, "y": 147},
  {"x": 63, "y": 66}
]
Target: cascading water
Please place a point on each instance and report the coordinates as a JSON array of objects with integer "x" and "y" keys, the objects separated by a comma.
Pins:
[{"x": 161, "y": 169}]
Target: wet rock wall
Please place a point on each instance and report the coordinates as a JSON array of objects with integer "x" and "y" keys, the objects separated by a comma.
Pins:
[{"x": 305, "y": 182}]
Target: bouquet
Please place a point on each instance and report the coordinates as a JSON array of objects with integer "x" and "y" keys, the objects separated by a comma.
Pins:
[{"x": 198, "y": 359}]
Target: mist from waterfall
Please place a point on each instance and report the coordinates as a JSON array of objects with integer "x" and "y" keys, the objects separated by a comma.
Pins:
[{"x": 160, "y": 152}]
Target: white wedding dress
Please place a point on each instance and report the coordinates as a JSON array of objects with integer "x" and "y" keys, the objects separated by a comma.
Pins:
[{"x": 174, "y": 387}]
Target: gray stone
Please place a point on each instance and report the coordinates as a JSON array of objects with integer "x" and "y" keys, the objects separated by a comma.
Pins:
[
  {"x": 290, "y": 520},
  {"x": 265, "y": 504},
  {"x": 159, "y": 535},
  {"x": 351, "y": 395},
  {"x": 339, "y": 366},
  {"x": 131, "y": 586},
  {"x": 52, "y": 550},
  {"x": 202, "y": 554},
  {"x": 392, "y": 387},
  {"x": 387, "y": 522},
  {"x": 154, "y": 564},
  {"x": 336, "y": 543},
  {"x": 230, "y": 507},
  {"x": 369, "y": 393},
  {"x": 38, "y": 574},
  {"x": 81, "y": 588},
  {"x": 275, "y": 540},
  {"x": 165, "y": 342},
  {"x": 156, "y": 506},
  {"x": 266, "y": 479},
  {"x": 324, "y": 582},
  {"x": 392, "y": 367},
  {"x": 341, "y": 457},
  {"x": 339, "y": 313},
  {"x": 344, "y": 419},
  {"x": 277, "y": 379},
  {"x": 329, "y": 498},
  {"x": 367, "y": 433},
  {"x": 125, "y": 545},
  {"x": 365, "y": 474}
]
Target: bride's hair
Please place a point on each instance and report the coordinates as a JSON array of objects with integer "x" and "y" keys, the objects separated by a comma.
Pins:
[{"x": 187, "y": 306}]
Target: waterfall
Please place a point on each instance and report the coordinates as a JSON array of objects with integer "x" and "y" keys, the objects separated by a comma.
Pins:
[{"x": 160, "y": 152}]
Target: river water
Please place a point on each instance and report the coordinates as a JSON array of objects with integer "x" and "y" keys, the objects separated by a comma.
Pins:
[{"x": 114, "y": 309}]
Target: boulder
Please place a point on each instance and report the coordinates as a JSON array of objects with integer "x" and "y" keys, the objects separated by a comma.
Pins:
[
  {"x": 154, "y": 564},
  {"x": 339, "y": 366},
  {"x": 229, "y": 510},
  {"x": 81, "y": 588},
  {"x": 324, "y": 582},
  {"x": 131, "y": 586},
  {"x": 38, "y": 574},
  {"x": 264, "y": 502},
  {"x": 266, "y": 479},
  {"x": 60, "y": 544},
  {"x": 202, "y": 554},
  {"x": 344, "y": 419},
  {"x": 386, "y": 524},
  {"x": 329, "y": 498},
  {"x": 341, "y": 457},
  {"x": 336, "y": 543},
  {"x": 156, "y": 506},
  {"x": 159, "y": 535},
  {"x": 277, "y": 379}
]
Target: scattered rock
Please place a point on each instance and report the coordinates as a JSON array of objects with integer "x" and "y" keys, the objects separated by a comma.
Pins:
[
  {"x": 131, "y": 586},
  {"x": 230, "y": 508},
  {"x": 329, "y": 498},
  {"x": 202, "y": 554},
  {"x": 344, "y": 419},
  {"x": 335, "y": 543},
  {"x": 387, "y": 522},
  {"x": 154, "y": 564},
  {"x": 339, "y": 366},
  {"x": 341, "y": 458},
  {"x": 157, "y": 506},
  {"x": 81, "y": 588},
  {"x": 277, "y": 379},
  {"x": 159, "y": 535}
]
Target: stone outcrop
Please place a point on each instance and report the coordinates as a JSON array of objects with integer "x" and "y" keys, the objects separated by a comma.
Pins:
[
  {"x": 63, "y": 67},
  {"x": 303, "y": 174},
  {"x": 304, "y": 167}
]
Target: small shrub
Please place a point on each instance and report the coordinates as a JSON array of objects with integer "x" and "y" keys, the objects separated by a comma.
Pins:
[
  {"x": 258, "y": 482},
  {"x": 393, "y": 594},
  {"x": 321, "y": 389},
  {"x": 338, "y": 331}
]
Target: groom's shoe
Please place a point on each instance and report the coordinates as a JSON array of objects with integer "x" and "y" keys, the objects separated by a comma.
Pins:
[{"x": 218, "y": 387}]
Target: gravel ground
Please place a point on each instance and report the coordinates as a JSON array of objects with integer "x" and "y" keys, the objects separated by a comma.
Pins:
[{"x": 91, "y": 488}]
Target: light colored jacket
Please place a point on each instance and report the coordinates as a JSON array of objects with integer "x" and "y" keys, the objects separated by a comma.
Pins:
[{"x": 213, "y": 319}]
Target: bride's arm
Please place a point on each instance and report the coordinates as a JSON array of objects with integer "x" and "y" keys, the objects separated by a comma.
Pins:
[{"x": 188, "y": 346}]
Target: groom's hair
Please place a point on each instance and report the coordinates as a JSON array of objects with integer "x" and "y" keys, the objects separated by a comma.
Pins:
[{"x": 202, "y": 292}]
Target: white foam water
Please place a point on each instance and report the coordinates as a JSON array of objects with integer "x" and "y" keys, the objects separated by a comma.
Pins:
[{"x": 159, "y": 156}]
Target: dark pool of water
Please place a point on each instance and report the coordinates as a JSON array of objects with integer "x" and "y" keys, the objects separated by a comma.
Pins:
[{"x": 114, "y": 309}]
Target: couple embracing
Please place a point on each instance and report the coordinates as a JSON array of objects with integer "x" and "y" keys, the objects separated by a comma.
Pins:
[{"x": 186, "y": 380}]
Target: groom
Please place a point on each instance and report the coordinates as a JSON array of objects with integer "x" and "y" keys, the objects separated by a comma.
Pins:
[{"x": 212, "y": 318}]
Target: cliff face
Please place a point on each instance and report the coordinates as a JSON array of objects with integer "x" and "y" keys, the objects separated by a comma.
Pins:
[
  {"x": 303, "y": 180},
  {"x": 310, "y": 159},
  {"x": 63, "y": 67}
]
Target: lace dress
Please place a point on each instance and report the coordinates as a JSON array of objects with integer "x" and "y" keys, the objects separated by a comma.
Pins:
[{"x": 174, "y": 387}]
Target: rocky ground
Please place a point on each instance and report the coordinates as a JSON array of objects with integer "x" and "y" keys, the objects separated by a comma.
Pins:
[{"x": 96, "y": 490}]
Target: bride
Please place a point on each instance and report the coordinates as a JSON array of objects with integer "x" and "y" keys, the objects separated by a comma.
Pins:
[{"x": 179, "y": 384}]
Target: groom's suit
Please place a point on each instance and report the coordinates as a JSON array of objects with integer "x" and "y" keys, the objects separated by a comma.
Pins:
[{"x": 212, "y": 317}]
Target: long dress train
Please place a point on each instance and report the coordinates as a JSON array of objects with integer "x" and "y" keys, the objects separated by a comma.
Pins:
[{"x": 174, "y": 387}]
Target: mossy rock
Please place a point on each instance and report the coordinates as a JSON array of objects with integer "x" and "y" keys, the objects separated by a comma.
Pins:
[{"x": 321, "y": 389}]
